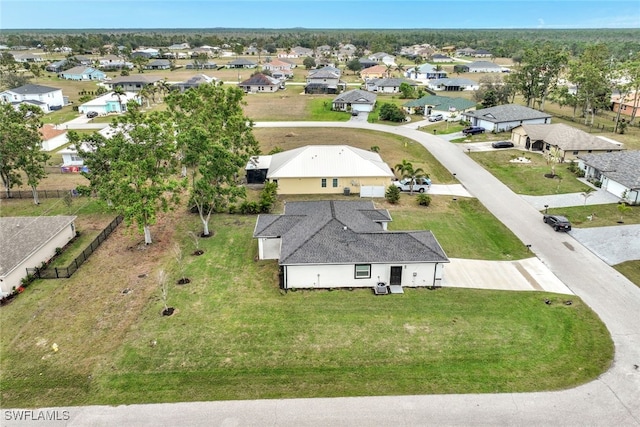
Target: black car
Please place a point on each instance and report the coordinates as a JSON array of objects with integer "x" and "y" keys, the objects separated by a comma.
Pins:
[
  {"x": 502, "y": 144},
  {"x": 558, "y": 222},
  {"x": 472, "y": 130},
  {"x": 92, "y": 114}
]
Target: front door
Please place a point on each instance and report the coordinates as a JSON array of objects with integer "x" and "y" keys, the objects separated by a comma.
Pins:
[{"x": 396, "y": 276}]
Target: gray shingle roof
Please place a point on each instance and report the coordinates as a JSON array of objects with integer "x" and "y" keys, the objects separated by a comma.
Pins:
[
  {"x": 21, "y": 236},
  {"x": 33, "y": 89},
  {"x": 620, "y": 166},
  {"x": 507, "y": 113},
  {"x": 332, "y": 232},
  {"x": 260, "y": 79},
  {"x": 356, "y": 96}
]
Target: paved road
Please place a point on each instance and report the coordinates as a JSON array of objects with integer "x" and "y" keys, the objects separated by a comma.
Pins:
[{"x": 611, "y": 400}]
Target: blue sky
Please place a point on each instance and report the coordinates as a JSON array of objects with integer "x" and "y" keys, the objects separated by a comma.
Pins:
[{"x": 78, "y": 14}]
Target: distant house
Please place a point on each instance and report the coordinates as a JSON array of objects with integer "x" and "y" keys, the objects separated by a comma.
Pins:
[
  {"x": 328, "y": 169},
  {"x": 387, "y": 85},
  {"x": 296, "y": 52},
  {"x": 72, "y": 161},
  {"x": 439, "y": 58},
  {"x": 27, "y": 242},
  {"x": 179, "y": 46},
  {"x": 158, "y": 64},
  {"x": 52, "y": 137},
  {"x": 27, "y": 57},
  {"x": 260, "y": 83},
  {"x": 242, "y": 63},
  {"x": 45, "y": 97},
  {"x": 368, "y": 63},
  {"x": 449, "y": 107},
  {"x": 619, "y": 173},
  {"x": 82, "y": 72},
  {"x": 480, "y": 67},
  {"x": 628, "y": 105},
  {"x": 345, "y": 244},
  {"x": 354, "y": 100},
  {"x": 282, "y": 67},
  {"x": 481, "y": 53},
  {"x": 194, "y": 81},
  {"x": 453, "y": 84},
  {"x": 113, "y": 62},
  {"x": 109, "y": 103},
  {"x": 56, "y": 66},
  {"x": 506, "y": 117},
  {"x": 374, "y": 72},
  {"x": 567, "y": 143},
  {"x": 197, "y": 65},
  {"x": 425, "y": 72},
  {"x": 383, "y": 58},
  {"x": 325, "y": 80},
  {"x": 133, "y": 83},
  {"x": 467, "y": 51}
]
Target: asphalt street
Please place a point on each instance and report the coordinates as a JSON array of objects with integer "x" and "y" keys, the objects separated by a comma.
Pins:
[{"x": 613, "y": 399}]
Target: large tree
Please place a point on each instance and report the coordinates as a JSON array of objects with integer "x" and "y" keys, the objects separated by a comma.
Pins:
[
  {"x": 592, "y": 73},
  {"x": 215, "y": 140},
  {"x": 134, "y": 171},
  {"x": 538, "y": 73},
  {"x": 21, "y": 147}
]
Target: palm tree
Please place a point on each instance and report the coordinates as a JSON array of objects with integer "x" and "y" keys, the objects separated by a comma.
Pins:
[
  {"x": 400, "y": 68},
  {"x": 163, "y": 87},
  {"x": 119, "y": 93},
  {"x": 388, "y": 69},
  {"x": 407, "y": 170}
]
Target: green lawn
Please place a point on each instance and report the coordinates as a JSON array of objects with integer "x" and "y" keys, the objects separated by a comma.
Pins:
[
  {"x": 528, "y": 178},
  {"x": 235, "y": 335},
  {"x": 605, "y": 215}
]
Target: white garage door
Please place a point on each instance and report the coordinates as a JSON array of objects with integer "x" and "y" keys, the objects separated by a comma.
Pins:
[{"x": 372, "y": 191}]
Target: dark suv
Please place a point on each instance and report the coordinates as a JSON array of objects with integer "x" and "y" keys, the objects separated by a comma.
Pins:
[
  {"x": 472, "y": 130},
  {"x": 558, "y": 222}
]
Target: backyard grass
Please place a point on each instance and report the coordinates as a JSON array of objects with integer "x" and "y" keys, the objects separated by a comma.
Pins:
[
  {"x": 235, "y": 335},
  {"x": 528, "y": 178}
]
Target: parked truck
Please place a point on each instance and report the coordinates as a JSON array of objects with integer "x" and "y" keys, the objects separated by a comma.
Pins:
[{"x": 419, "y": 184}]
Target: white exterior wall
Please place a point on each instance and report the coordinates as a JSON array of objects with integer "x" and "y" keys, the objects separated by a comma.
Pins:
[
  {"x": 46, "y": 252},
  {"x": 613, "y": 187},
  {"x": 269, "y": 248},
  {"x": 343, "y": 276},
  {"x": 55, "y": 142},
  {"x": 504, "y": 126}
]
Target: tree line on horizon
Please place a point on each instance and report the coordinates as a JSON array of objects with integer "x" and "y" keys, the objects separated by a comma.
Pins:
[{"x": 507, "y": 43}]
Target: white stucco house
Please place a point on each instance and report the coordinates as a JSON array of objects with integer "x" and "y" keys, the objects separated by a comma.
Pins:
[
  {"x": 52, "y": 137},
  {"x": 109, "y": 103},
  {"x": 345, "y": 244},
  {"x": 27, "y": 242},
  {"x": 619, "y": 173},
  {"x": 45, "y": 97},
  {"x": 354, "y": 100}
]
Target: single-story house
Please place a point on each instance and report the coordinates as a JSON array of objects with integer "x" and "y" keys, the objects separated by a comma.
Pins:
[
  {"x": 354, "y": 100},
  {"x": 628, "y": 106},
  {"x": 505, "y": 117},
  {"x": 388, "y": 85},
  {"x": 346, "y": 244},
  {"x": 27, "y": 57},
  {"x": 196, "y": 65},
  {"x": 619, "y": 173},
  {"x": 133, "y": 83},
  {"x": 374, "y": 72},
  {"x": 282, "y": 67},
  {"x": 383, "y": 57},
  {"x": 241, "y": 63},
  {"x": 467, "y": 51},
  {"x": 179, "y": 46},
  {"x": 71, "y": 159},
  {"x": 147, "y": 52},
  {"x": 367, "y": 63},
  {"x": 27, "y": 242},
  {"x": 45, "y": 97},
  {"x": 450, "y": 108},
  {"x": 568, "y": 142},
  {"x": 260, "y": 83},
  {"x": 158, "y": 64},
  {"x": 439, "y": 58},
  {"x": 425, "y": 72},
  {"x": 480, "y": 67},
  {"x": 56, "y": 66},
  {"x": 109, "y": 103},
  {"x": 52, "y": 137},
  {"x": 453, "y": 84},
  {"x": 328, "y": 169},
  {"x": 82, "y": 72},
  {"x": 113, "y": 62},
  {"x": 194, "y": 81},
  {"x": 296, "y": 52}
]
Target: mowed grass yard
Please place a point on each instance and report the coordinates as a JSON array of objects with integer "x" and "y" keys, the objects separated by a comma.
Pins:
[{"x": 235, "y": 335}]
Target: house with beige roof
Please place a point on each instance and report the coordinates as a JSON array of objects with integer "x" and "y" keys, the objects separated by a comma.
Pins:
[
  {"x": 628, "y": 105},
  {"x": 328, "y": 169},
  {"x": 568, "y": 142}
]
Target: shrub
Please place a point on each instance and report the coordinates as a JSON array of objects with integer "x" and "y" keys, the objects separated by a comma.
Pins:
[
  {"x": 423, "y": 199},
  {"x": 392, "y": 194},
  {"x": 391, "y": 112},
  {"x": 248, "y": 208}
]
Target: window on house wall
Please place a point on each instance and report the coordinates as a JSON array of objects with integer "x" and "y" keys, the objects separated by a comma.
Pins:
[
  {"x": 575, "y": 153},
  {"x": 335, "y": 182},
  {"x": 363, "y": 271},
  {"x": 323, "y": 182}
]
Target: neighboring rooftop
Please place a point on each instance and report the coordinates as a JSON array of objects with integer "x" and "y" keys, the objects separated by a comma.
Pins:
[
  {"x": 507, "y": 113},
  {"x": 620, "y": 166}
]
